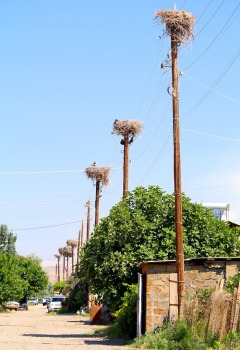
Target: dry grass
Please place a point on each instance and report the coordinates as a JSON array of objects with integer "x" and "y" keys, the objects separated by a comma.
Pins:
[
  {"x": 215, "y": 312},
  {"x": 127, "y": 127},
  {"x": 98, "y": 173},
  {"x": 180, "y": 23}
]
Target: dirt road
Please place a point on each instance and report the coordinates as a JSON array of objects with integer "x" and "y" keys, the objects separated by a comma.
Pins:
[{"x": 35, "y": 329}]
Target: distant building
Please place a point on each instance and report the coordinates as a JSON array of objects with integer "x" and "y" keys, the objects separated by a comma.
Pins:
[{"x": 220, "y": 210}]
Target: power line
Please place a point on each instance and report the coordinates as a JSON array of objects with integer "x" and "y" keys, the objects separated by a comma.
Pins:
[
  {"x": 210, "y": 135},
  {"x": 220, "y": 77},
  {"x": 208, "y": 87},
  {"x": 48, "y": 226},
  {"x": 215, "y": 38}
]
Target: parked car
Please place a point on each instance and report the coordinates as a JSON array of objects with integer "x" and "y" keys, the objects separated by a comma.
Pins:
[
  {"x": 33, "y": 301},
  {"x": 23, "y": 304},
  {"x": 12, "y": 305},
  {"x": 46, "y": 301},
  {"x": 55, "y": 303}
]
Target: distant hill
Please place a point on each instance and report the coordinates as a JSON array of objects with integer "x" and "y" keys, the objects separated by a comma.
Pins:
[{"x": 50, "y": 268}]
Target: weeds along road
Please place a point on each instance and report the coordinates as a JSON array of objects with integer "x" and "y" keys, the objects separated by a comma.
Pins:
[{"x": 35, "y": 329}]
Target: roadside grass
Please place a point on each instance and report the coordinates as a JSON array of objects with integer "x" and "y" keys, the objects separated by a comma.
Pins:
[{"x": 52, "y": 313}]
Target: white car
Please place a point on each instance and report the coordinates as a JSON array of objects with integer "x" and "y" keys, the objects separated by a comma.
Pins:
[
  {"x": 33, "y": 301},
  {"x": 55, "y": 303}
]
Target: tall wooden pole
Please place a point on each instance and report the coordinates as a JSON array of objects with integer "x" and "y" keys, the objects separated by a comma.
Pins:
[
  {"x": 88, "y": 220},
  {"x": 82, "y": 234},
  {"x": 97, "y": 202},
  {"x": 72, "y": 259},
  {"x": 177, "y": 177},
  {"x": 125, "y": 165},
  {"x": 63, "y": 267},
  {"x": 78, "y": 246},
  {"x": 59, "y": 268}
]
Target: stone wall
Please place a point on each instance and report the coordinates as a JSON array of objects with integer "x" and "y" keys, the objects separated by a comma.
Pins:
[{"x": 161, "y": 286}]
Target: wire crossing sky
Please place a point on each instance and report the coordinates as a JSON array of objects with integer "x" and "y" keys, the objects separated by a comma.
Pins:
[{"x": 70, "y": 68}]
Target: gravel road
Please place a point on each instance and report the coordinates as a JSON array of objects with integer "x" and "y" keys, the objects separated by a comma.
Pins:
[{"x": 35, "y": 329}]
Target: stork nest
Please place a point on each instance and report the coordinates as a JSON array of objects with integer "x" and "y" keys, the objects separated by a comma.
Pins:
[
  {"x": 67, "y": 251},
  {"x": 58, "y": 256},
  {"x": 60, "y": 250},
  {"x": 180, "y": 23},
  {"x": 127, "y": 127},
  {"x": 72, "y": 242},
  {"x": 98, "y": 173}
]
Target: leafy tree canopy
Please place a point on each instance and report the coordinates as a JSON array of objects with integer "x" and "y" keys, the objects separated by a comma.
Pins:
[
  {"x": 7, "y": 240},
  {"x": 20, "y": 277},
  {"x": 142, "y": 228}
]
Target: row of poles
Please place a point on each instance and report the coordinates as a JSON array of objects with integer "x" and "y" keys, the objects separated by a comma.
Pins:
[{"x": 179, "y": 26}]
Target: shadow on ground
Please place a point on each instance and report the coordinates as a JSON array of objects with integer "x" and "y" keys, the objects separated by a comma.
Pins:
[{"x": 90, "y": 339}]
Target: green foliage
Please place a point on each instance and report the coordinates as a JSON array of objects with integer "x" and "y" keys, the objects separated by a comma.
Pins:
[
  {"x": 61, "y": 287},
  {"x": 20, "y": 277},
  {"x": 176, "y": 337},
  {"x": 126, "y": 316},
  {"x": 142, "y": 228},
  {"x": 204, "y": 295},
  {"x": 78, "y": 297},
  {"x": 232, "y": 282},
  {"x": 7, "y": 241}
]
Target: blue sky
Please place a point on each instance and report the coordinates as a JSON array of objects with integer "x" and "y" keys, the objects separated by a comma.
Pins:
[{"x": 69, "y": 68}]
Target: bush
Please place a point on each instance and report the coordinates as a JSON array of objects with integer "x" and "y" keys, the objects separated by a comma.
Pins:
[
  {"x": 125, "y": 319},
  {"x": 177, "y": 337}
]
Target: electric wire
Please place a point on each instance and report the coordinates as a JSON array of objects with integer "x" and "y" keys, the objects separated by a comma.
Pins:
[
  {"x": 215, "y": 38},
  {"x": 211, "y": 135},
  {"x": 216, "y": 82},
  {"x": 213, "y": 90}
]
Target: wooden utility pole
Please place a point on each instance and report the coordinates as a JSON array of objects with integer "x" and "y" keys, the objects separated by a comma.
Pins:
[
  {"x": 82, "y": 235},
  {"x": 177, "y": 175},
  {"x": 97, "y": 202},
  {"x": 63, "y": 267},
  {"x": 78, "y": 246},
  {"x": 125, "y": 165},
  {"x": 58, "y": 256},
  {"x": 88, "y": 220}
]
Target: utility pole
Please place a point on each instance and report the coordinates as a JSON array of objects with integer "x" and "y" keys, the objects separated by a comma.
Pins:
[
  {"x": 88, "y": 220},
  {"x": 128, "y": 129},
  {"x": 177, "y": 176},
  {"x": 78, "y": 246},
  {"x": 82, "y": 234},
  {"x": 125, "y": 165},
  {"x": 179, "y": 25},
  {"x": 97, "y": 202}
]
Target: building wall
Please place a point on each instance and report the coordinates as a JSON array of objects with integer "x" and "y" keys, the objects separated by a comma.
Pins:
[{"x": 161, "y": 286}]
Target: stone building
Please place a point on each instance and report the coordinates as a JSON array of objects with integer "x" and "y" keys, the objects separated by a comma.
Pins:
[{"x": 159, "y": 300}]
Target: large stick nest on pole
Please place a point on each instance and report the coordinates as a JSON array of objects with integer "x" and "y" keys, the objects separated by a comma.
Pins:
[
  {"x": 98, "y": 173},
  {"x": 179, "y": 23},
  {"x": 67, "y": 251},
  {"x": 127, "y": 127},
  {"x": 72, "y": 242},
  {"x": 60, "y": 250}
]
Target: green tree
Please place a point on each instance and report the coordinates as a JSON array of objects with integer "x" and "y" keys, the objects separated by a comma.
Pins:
[
  {"x": 20, "y": 277},
  {"x": 142, "y": 228},
  {"x": 7, "y": 240}
]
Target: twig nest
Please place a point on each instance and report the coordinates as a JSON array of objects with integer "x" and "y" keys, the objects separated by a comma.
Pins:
[
  {"x": 60, "y": 250},
  {"x": 67, "y": 251},
  {"x": 98, "y": 173},
  {"x": 72, "y": 242},
  {"x": 180, "y": 23},
  {"x": 127, "y": 127},
  {"x": 58, "y": 256}
]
